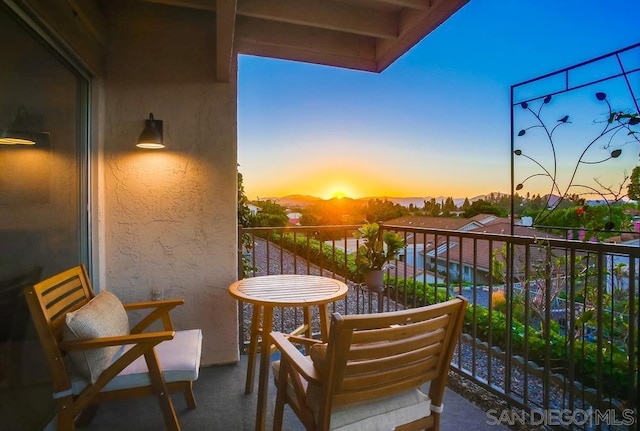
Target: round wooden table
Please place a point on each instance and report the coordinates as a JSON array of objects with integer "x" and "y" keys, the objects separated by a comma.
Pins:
[{"x": 268, "y": 291}]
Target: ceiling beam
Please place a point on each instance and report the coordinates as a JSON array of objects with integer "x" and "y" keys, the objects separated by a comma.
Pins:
[
  {"x": 79, "y": 29},
  {"x": 414, "y": 26},
  {"x": 315, "y": 45},
  {"x": 209, "y": 5},
  {"x": 364, "y": 34},
  {"x": 91, "y": 17},
  {"x": 413, "y": 4},
  {"x": 305, "y": 56},
  {"x": 225, "y": 30},
  {"x": 327, "y": 14}
]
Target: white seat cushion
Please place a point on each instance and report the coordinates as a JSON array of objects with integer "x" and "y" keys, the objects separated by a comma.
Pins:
[
  {"x": 382, "y": 414},
  {"x": 378, "y": 415},
  {"x": 179, "y": 359}
]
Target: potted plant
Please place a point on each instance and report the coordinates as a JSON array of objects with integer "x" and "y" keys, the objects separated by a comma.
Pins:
[{"x": 375, "y": 253}]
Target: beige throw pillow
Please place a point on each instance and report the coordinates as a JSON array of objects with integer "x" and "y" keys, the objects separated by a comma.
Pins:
[
  {"x": 318, "y": 354},
  {"x": 103, "y": 316}
]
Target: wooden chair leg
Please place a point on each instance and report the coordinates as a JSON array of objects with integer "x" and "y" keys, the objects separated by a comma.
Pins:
[
  {"x": 160, "y": 388},
  {"x": 281, "y": 389},
  {"x": 87, "y": 415},
  {"x": 436, "y": 421},
  {"x": 188, "y": 395},
  {"x": 66, "y": 415}
]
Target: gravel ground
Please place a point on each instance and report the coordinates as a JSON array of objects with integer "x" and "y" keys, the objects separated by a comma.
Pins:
[{"x": 269, "y": 260}]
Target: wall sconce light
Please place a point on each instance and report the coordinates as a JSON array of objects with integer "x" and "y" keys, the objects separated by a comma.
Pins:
[
  {"x": 151, "y": 136},
  {"x": 23, "y": 131}
]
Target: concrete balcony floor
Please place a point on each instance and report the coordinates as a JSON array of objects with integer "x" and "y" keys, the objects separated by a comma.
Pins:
[{"x": 223, "y": 405}]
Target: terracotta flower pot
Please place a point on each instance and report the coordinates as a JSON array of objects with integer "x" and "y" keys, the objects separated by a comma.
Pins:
[{"x": 374, "y": 280}]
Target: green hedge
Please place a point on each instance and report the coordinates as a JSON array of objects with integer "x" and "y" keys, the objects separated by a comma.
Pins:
[
  {"x": 613, "y": 365},
  {"x": 318, "y": 253},
  {"x": 416, "y": 293}
]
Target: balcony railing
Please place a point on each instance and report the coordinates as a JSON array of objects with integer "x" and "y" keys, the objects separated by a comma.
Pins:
[{"x": 552, "y": 324}]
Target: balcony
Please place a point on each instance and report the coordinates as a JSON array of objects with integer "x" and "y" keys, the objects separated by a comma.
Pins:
[
  {"x": 572, "y": 308},
  {"x": 153, "y": 224}
]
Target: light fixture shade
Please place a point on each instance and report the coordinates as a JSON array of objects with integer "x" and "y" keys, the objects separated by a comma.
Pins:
[
  {"x": 23, "y": 131},
  {"x": 151, "y": 136}
]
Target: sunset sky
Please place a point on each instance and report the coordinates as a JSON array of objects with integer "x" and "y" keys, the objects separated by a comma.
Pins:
[{"x": 436, "y": 122}]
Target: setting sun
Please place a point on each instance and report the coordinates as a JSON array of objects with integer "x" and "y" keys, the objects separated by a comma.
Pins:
[{"x": 338, "y": 191}]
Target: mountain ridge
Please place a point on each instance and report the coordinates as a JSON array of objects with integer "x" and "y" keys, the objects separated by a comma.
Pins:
[{"x": 302, "y": 200}]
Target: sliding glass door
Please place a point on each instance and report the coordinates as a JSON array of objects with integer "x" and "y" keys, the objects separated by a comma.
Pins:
[{"x": 43, "y": 202}]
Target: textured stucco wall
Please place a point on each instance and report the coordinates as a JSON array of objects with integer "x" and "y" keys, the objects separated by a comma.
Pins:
[{"x": 170, "y": 215}]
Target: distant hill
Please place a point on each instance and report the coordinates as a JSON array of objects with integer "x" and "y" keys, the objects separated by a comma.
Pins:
[
  {"x": 302, "y": 201},
  {"x": 299, "y": 201},
  {"x": 487, "y": 196},
  {"x": 405, "y": 202}
]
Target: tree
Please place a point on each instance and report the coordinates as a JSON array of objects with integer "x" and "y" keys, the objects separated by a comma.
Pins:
[
  {"x": 633, "y": 189},
  {"x": 333, "y": 212},
  {"x": 448, "y": 207},
  {"x": 271, "y": 214},
  {"x": 483, "y": 207},
  {"x": 243, "y": 204},
  {"x": 466, "y": 204},
  {"x": 383, "y": 210},
  {"x": 308, "y": 218},
  {"x": 590, "y": 221},
  {"x": 432, "y": 208},
  {"x": 244, "y": 219}
]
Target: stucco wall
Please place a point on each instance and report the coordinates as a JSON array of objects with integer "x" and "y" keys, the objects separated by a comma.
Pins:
[{"x": 170, "y": 215}]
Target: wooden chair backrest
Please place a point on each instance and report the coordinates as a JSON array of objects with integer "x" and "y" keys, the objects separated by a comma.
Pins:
[
  {"x": 376, "y": 355},
  {"x": 49, "y": 301}
]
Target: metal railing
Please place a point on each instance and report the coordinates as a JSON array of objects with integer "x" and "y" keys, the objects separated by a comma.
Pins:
[{"x": 552, "y": 324}]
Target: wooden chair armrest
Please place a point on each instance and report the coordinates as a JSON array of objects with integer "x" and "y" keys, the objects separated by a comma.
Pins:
[
  {"x": 93, "y": 343},
  {"x": 307, "y": 342},
  {"x": 165, "y": 303},
  {"x": 295, "y": 358},
  {"x": 160, "y": 310}
]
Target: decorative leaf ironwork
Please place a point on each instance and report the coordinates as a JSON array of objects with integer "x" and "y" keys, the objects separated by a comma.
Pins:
[{"x": 615, "y": 123}]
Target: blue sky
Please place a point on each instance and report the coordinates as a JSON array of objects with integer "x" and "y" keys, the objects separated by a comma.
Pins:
[{"x": 436, "y": 122}]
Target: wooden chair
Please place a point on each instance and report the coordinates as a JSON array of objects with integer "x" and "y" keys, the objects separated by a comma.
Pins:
[
  {"x": 135, "y": 363},
  {"x": 369, "y": 374}
]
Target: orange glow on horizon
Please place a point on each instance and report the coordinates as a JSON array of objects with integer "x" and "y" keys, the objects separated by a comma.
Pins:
[
  {"x": 371, "y": 182},
  {"x": 373, "y": 192},
  {"x": 338, "y": 191}
]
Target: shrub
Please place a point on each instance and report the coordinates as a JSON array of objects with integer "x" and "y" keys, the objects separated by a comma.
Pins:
[
  {"x": 613, "y": 364},
  {"x": 416, "y": 293}
]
